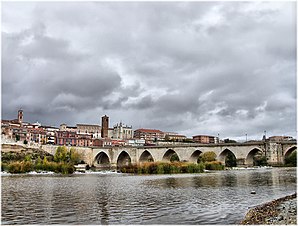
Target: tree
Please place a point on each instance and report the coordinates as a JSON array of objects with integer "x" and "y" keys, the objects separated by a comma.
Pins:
[
  {"x": 75, "y": 157},
  {"x": 260, "y": 160},
  {"x": 61, "y": 154},
  {"x": 174, "y": 158},
  {"x": 208, "y": 156},
  {"x": 291, "y": 160},
  {"x": 230, "y": 160},
  {"x": 17, "y": 137},
  {"x": 229, "y": 141}
]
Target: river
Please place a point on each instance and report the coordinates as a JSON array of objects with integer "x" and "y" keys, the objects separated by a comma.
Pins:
[{"x": 221, "y": 197}]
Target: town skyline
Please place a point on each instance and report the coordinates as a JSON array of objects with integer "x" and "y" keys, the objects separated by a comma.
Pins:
[
  {"x": 225, "y": 68},
  {"x": 20, "y": 119}
]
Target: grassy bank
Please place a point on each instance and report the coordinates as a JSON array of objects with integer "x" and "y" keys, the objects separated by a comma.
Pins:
[
  {"x": 28, "y": 166},
  {"x": 170, "y": 167},
  {"x": 62, "y": 162}
]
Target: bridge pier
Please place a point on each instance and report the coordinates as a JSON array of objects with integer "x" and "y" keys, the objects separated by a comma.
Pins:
[{"x": 240, "y": 162}]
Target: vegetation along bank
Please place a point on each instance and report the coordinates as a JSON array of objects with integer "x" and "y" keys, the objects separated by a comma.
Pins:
[{"x": 27, "y": 160}]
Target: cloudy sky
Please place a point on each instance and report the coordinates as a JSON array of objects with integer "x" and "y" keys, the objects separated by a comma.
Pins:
[{"x": 225, "y": 68}]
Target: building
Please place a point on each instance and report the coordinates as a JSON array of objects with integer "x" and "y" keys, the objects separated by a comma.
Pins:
[
  {"x": 280, "y": 138},
  {"x": 66, "y": 138},
  {"x": 64, "y": 127},
  {"x": 170, "y": 136},
  {"x": 102, "y": 142},
  {"x": 37, "y": 135},
  {"x": 51, "y": 134},
  {"x": 149, "y": 134},
  {"x": 104, "y": 126},
  {"x": 84, "y": 140},
  {"x": 122, "y": 132},
  {"x": 89, "y": 129},
  {"x": 205, "y": 139},
  {"x": 136, "y": 142}
]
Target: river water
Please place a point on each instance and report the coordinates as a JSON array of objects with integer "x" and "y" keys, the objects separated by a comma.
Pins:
[{"x": 221, "y": 197}]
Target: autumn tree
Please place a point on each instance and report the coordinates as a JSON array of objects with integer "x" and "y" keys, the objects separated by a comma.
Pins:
[{"x": 208, "y": 156}]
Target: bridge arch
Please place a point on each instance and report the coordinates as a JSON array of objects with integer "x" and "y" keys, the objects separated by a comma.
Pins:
[
  {"x": 123, "y": 159},
  {"x": 251, "y": 154},
  {"x": 169, "y": 154},
  {"x": 289, "y": 151},
  {"x": 146, "y": 156},
  {"x": 195, "y": 156},
  {"x": 227, "y": 157},
  {"x": 102, "y": 160}
]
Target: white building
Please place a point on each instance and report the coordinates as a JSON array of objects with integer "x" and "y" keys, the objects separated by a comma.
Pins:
[{"x": 122, "y": 132}]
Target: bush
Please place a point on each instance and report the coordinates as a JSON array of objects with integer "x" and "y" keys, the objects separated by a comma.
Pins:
[
  {"x": 75, "y": 157},
  {"x": 230, "y": 160},
  {"x": 61, "y": 154},
  {"x": 214, "y": 165},
  {"x": 260, "y": 160},
  {"x": 208, "y": 156},
  {"x": 19, "y": 167},
  {"x": 291, "y": 160},
  {"x": 4, "y": 166},
  {"x": 163, "y": 168}
]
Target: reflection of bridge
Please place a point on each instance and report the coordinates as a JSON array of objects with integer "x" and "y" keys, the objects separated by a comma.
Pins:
[{"x": 244, "y": 153}]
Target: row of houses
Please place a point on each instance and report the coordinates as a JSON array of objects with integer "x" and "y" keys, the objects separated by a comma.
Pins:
[{"x": 90, "y": 134}]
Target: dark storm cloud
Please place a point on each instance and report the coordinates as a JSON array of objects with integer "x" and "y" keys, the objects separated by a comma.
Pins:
[{"x": 190, "y": 67}]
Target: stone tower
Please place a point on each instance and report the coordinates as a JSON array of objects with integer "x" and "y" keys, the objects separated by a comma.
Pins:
[
  {"x": 104, "y": 126},
  {"x": 20, "y": 116}
]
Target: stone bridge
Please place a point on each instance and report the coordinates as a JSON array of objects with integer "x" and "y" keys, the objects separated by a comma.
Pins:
[
  {"x": 111, "y": 157},
  {"x": 244, "y": 153}
]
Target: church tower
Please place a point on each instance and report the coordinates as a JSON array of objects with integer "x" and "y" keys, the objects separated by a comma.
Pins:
[
  {"x": 104, "y": 126},
  {"x": 20, "y": 116}
]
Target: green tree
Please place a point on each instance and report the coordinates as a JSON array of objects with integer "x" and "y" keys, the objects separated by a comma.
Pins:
[
  {"x": 27, "y": 158},
  {"x": 75, "y": 157},
  {"x": 17, "y": 137},
  {"x": 291, "y": 160},
  {"x": 260, "y": 160},
  {"x": 208, "y": 156},
  {"x": 230, "y": 160},
  {"x": 174, "y": 158},
  {"x": 61, "y": 154},
  {"x": 229, "y": 141}
]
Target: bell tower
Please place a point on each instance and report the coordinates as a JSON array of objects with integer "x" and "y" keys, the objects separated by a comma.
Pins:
[
  {"x": 104, "y": 126},
  {"x": 20, "y": 116}
]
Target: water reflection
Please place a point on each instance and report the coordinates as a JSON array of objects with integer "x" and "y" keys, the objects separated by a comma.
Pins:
[{"x": 213, "y": 198}]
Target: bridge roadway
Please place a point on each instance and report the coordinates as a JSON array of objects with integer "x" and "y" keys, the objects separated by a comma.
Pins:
[{"x": 106, "y": 157}]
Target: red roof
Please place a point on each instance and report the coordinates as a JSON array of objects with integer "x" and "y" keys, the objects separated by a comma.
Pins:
[{"x": 149, "y": 130}]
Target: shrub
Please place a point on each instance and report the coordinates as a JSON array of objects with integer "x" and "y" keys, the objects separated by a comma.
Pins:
[
  {"x": 291, "y": 160},
  {"x": 214, "y": 165},
  {"x": 160, "y": 169},
  {"x": 61, "y": 154},
  {"x": 208, "y": 156},
  {"x": 75, "y": 157},
  {"x": 19, "y": 167},
  {"x": 163, "y": 168},
  {"x": 4, "y": 166}
]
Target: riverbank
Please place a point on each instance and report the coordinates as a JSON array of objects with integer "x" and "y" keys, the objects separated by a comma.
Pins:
[{"x": 282, "y": 211}]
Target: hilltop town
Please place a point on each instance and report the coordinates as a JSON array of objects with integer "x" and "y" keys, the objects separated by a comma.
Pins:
[{"x": 95, "y": 135}]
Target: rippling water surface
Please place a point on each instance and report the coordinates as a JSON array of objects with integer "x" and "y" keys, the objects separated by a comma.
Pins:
[{"x": 211, "y": 198}]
